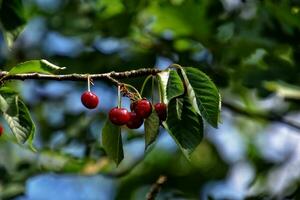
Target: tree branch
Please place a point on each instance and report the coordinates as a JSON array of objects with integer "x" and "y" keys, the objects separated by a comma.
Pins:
[
  {"x": 272, "y": 117},
  {"x": 156, "y": 187},
  {"x": 112, "y": 76},
  {"x": 4, "y": 75}
]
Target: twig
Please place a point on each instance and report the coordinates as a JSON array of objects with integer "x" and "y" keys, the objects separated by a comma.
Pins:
[
  {"x": 116, "y": 82},
  {"x": 266, "y": 116},
  {"x": 112, "y": 76},
  {"x": 4, "y": 75},
  {"x": 156, "y": 187}
]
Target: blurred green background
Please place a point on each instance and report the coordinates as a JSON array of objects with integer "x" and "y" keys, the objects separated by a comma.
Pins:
[{"x": 251, "y": 50}]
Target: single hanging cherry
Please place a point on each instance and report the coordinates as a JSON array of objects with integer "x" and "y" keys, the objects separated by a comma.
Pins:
[
  {"x": 88, "y": 98},
  {"x": 119, "y": 116},
  {"x": 161, "y": 110}
]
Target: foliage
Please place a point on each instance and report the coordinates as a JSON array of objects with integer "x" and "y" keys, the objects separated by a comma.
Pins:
[
  {"x": 17, "y": 115},
  {"x": 248, "y": 52},
  {"x": 112, "y": 141},
  {"x": 196, "y": 82}
]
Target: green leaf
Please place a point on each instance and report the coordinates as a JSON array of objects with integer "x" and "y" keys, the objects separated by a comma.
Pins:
[
  {"x": 204, "y": 94},
  {"x": 17, "y": 116},
  {"x": 6, "y": 98},
  {"x": 38, "y": 66},
  {"x": 21, "y": 124},
  {"x": 163, "y": 78},
  {"x": 112, "y": 142},
  {"x": 179, "y": 105},
  {"x": 3, "y": 104},
  {"x": 151, "y": 126},
  {"x": 186, "y": 129},
  {"x": 175, "y": 86}
]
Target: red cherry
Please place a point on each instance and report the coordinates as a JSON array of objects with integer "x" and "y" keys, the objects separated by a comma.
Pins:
[
  {"x": 135, "y": 121},
  {"x": 143, "y": 108},
  {"x": 89, "y": 100},
  {"x": 119, "y": 116},
  {"x": 161, "y": 110},
  {"x": 1, "y": 130}
]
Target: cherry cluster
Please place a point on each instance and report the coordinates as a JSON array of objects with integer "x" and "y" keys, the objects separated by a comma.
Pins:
[{"x": 140, "y": 110}]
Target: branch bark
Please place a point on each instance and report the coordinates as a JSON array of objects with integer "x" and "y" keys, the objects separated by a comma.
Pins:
[
  {"x": 4, "y": 75},
  {"x": 156, "y": 187},
  {"x": 112, "y": 76}
]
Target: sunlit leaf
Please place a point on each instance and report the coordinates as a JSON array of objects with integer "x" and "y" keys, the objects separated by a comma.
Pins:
[
  {"x": 175, "y": 86},
  {"x": 20, "y": 123},
  {"x": 17, "y": 116},
  {"x": 204, "y": 94},
  {"x": 38, "y": 66},
  {"x": 163, "y": 78}
]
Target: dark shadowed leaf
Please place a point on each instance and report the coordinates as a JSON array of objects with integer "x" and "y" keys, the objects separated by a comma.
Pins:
[
  {"x": 179, "y": 105},
  {"x": 112, "y": 141},
  {"x": 186, "y": 129},
  {"x": 151, "y": 128},
  {"x": 12, "y": 14}
]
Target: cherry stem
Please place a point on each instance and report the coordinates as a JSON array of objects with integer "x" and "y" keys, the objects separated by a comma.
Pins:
[
  {"x": 144, "y": 84},
  {"x": 159, "y": 91},
  {"x": 176, "y": 66},
  {"x": 119, "y": 97},
  {"x": 137, "y": 92},
  {"x": 89, "y": 83},
  {"x": 152, "y": 89}
]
